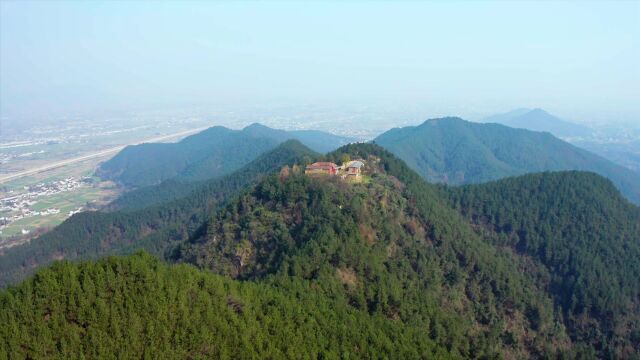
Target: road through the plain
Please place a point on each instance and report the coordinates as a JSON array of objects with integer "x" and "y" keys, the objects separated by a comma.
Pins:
[{"x": 102, "y": 153}]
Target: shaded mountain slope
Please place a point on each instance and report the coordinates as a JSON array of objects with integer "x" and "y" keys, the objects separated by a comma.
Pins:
[
  {"x": 585, "y": 242},
  {"x": 289, "y": 152},
  {"x": 211, "y": 153},
  {"x": 455, "y": 151},
  {"x": 151, "y": 218}
]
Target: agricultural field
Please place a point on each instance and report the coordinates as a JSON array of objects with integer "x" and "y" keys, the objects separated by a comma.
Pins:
[
  {"x": 32, "y": 204},
  {"x": 47, "y": 171}
]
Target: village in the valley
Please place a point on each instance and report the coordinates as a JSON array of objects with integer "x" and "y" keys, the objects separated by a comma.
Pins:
[{"x": 16, "y": 206}]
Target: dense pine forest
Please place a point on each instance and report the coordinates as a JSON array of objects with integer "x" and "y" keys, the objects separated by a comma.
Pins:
[
  {"x": 280, "y": 264},
  {"x": 320, "y": 180},
  {"x": 149, "y": 218},
  {"x": 585, "y": 240},
  {"x": 137, "y": 307}
]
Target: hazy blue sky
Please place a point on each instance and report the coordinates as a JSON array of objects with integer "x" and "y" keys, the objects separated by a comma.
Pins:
[{"x": 577, "y": 59}]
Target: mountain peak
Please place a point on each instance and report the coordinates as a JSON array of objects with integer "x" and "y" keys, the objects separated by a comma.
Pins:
[
  {"x": 444, "y": 120},
  {"x": 538, "y": 111},
  {"x": 455, "y": 151},
  {"x": 538, "y": 119},
  {"x": 256, "y": 126}
]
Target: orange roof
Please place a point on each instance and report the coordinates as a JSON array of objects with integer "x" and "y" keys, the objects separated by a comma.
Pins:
[{"x": 322, "y": 165}]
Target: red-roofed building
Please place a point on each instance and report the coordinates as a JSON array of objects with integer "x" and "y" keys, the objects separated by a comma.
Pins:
[{"x": 322, "y": 167}]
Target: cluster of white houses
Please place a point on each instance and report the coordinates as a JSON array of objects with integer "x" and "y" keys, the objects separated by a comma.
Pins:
[
  {"x": 18, "y": 206},
  {"x": 350, "y": 170}
]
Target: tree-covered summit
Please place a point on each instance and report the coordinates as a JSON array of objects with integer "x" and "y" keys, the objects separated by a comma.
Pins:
[
  {"x": 539, "y": 266},
  {"x": 454, "y": 151}
]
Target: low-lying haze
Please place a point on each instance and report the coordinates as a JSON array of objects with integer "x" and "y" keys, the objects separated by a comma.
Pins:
[{"x": 578, "y": 60}]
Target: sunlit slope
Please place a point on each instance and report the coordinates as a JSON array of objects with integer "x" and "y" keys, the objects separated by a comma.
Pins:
[{"x": 137, "y": 307}]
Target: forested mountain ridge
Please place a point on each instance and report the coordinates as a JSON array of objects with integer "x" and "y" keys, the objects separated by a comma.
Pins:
[
  {"x": 422, "y": 271},
  {"x": 388, "y": 259},
  {"x": 454, "y": 151},
  {"x": 386, "y": 241},
  {"x": 214, "y": 152},
  {"x": 287, "y": 153},
  {"x": 149, "y": 218},
  {"x": 585, "y": 239}
]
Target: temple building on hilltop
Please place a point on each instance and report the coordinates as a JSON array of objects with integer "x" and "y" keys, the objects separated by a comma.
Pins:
[
  {"x": 352, "y": 169},
  {"x": 349, "y": 171},
  {"x": 326, "y": 168}
]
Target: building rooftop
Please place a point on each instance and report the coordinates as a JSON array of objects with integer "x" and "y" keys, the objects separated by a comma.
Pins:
[
  {"x": 355, "y": 164},
  {"x": 322, "y": 164}
]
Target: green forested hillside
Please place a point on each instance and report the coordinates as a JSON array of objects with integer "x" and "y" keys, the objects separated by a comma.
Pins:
[
  {"x": 149, "y": 218},
  {"x": 288, "y": 153},
  {"x": 541, "y": 266},
  {"x": 584, "y": 239},
  {"x": 136, "y": 307},
  {"x": 389, "y": 247},
  {"x": 454, "y": 151},
  {"x": 214, "y": 152}
]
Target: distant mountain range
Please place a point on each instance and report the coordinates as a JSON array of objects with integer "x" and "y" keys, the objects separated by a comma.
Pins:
[
  {"x": 617, "y": 147},
  {"x": 447, "y": 150},
  {"x": 214, "y": 152},
  {"x": 455, "y": 151},
  {"x": 539, "y": 120}
]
